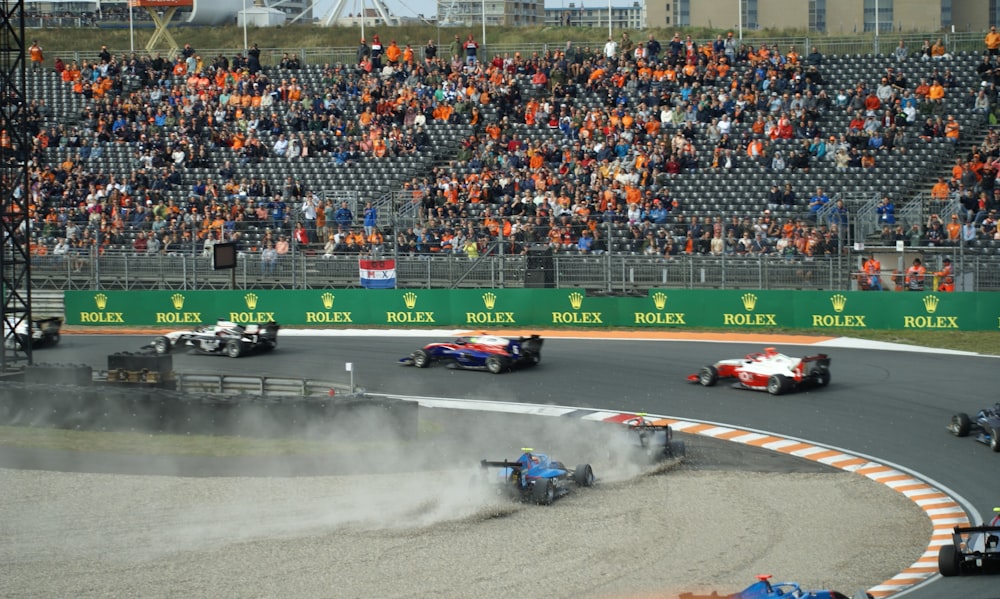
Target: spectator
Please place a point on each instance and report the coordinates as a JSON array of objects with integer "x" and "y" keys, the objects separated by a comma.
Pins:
[
  {"x": 343, "y": 216},
  {"x": 268, "y": 260},
  {"x": 873, "y": 273},
  {"x": 471, "y": 50},
  {"x": 370, "y": 219},
  {"x": 817, "y": 202},
  {"x": 37, "y": 56},
  {"x": 901, "y": 52},
  {"x": 993, "y": 41},
  {"x": 886, "y": 211}
]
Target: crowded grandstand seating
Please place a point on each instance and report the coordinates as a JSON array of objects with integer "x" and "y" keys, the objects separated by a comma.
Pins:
[{"x": 103, "y": 153}]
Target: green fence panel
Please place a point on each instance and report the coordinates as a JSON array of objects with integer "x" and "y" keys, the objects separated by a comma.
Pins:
[{"x": 517, "y": 308}]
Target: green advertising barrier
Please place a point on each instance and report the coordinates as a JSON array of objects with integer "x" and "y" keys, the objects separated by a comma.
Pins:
[{"x": 515, "y": 308}]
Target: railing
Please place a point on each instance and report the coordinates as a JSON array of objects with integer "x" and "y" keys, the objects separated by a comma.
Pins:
[
  {"x": 885, "y": 44},
  {"x": 605, "y": 273},
  {"x": 226, "y": 384}
]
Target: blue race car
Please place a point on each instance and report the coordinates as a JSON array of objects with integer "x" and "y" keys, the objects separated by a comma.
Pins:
[
  {"x": 534, "y": 477},
  {"x": 765, "y": 589},
  {"x": 480, "y": 352},
  {"x": 986, "y": 426}
]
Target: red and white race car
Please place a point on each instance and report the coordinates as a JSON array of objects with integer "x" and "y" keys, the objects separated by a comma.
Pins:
[{"x": 769, "y": 371}]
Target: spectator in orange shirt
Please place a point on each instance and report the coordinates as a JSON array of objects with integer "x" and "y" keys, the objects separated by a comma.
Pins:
[
  {"x": 952, "y": 130},
  {"x": 941, "y": 190},
  {"x": 993, "y": 41}
]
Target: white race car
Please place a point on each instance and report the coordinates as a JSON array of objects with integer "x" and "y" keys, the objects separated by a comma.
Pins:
[
  {"x": 224, "y": 337},
  {"x": 769, "y": 371},
  {"x": 43, "y": 332}
]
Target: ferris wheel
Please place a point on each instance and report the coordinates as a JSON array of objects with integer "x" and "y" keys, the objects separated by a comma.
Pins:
[{"x": 350, "y": 12}]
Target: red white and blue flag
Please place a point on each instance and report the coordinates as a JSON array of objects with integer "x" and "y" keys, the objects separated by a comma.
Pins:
[{"x": 378, "y": 274}]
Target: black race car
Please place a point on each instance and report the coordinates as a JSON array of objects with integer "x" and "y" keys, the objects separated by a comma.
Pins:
[
  {"x": 43, "y": 332},
  {"x": 224, "y": 337},
  {"x": 974, "y": 550},
  {"x": 986, "y": 426}
]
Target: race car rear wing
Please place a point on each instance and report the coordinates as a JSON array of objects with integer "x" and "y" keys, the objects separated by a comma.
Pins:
[{"x": 500, "y": 464}]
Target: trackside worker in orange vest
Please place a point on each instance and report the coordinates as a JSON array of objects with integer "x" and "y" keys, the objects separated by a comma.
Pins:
[
  {"x": 873, "y": 270},
  {"x": 915, "y": 276},
  {"x": 946, "y": 280}
]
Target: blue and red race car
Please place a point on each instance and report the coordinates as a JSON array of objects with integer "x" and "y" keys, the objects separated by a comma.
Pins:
[
  {"x": 480, "y": 352},
  {"x": 534, "y": 477},
  {"x": 765, "y": 589}
]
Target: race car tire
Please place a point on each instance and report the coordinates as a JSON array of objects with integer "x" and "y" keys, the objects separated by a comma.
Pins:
[
  {"x": 584, "y": 475},
  {"x": 495, "y": 365},
  {"x": 777, "y": 384},
  {"x": 270, "y": 344},
  {"x": 544, "y": 492},
  {"x": 534, "y": 358},
  {"x": 54, "y": 338},
  {"x": 995, "y": 439},
  {"x": 421, "y": 359},
  {"x": 677, "y": 449},
  {"x": 948, "y": 561},
  {"x": 708, "y": 376},
  {"x": 161, "y": 345},
  {"x": 823, "y": 378},
  {"x": 960, "y": 425},
  {"x": 234, "y": 348}
]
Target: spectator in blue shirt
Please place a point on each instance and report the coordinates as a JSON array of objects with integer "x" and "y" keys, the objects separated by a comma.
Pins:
[
  {"x": 886, "y": 212},
  {"x": 371, "y": 218},
  {"x": 343, "y": 216}
]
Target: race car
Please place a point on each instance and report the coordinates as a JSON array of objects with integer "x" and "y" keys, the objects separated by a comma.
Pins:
[
  {"x": 765, "y": 589},
  {"x": 534, "y": 477},
  {"x": 986, "y": 426},
  {"x": 769, "y": 371},
  {"x": 223, "y": 337},
  {"x": 480, "y": 352},
  {"x": 43, "y": 332},
  {"x": 974, "y": 549},
  {"x": 654, "y": 438}
]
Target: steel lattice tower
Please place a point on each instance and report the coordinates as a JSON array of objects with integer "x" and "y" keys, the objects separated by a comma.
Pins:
[{"x": 15, "y": 265}]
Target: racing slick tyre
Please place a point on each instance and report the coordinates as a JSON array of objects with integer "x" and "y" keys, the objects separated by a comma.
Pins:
[
  {"x": 708, "y": 376},
  {"x": 584, "y": 475},
  {"x": 234, "y": 348},
  {"x": 161, "y": 345},
  {"x": 544, "y": 492},
  {"x": 534, "y": 358},
  {"x": 960, "y": 425},
  {"x": 823, "y": 378},
  {"x": 421, "y": 359},
  {"x": 677, "y": 449},
  {"x": 777, "y": 384},
  {"x": 948, "y": 561},
  {"x": 495, "y": 365},
  {"x": 995, "y": 439}
]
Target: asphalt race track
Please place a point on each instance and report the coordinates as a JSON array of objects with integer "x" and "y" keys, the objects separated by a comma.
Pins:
[{"x": 890, "y": 405}]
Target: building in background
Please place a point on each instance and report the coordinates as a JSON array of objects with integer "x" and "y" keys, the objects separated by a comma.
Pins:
[
  {"x": 510, "y": 13},
  {"x": 827, "y": 16},
  {"x": 595, "y": 14}
]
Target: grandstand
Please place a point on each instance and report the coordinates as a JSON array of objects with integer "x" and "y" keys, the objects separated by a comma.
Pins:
[{"x": 149, "y": 137}]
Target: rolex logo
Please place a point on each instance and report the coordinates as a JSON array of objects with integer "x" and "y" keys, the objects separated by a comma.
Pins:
[
  {"x": 489, "y": 300},
  {"x": 749, "y": 301},
  {"x": 931, "y": 303},
  {"x": 660, "y": 300},
  {"x": 576, "y": 300},
  {"x": 178, "y": 301},
  {"x": 327, "y": 300},
  {"x": 410, "y": 299},
  {"x": 838, "y": 301},
  {"x": 251, "y": 300},
  {"x": 101, "y": 300}
]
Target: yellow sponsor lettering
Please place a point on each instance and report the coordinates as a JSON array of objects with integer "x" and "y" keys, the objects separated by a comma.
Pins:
[
  {"x": 930, "y": 322},
  {"x": 490, "y": 318},
  {"x": 410, "y": 317},
  {"x": 251, "y": 317},
  {"x": 178, "y": 318},
  {"x": 577, "y": 318},
  {"x": 853, "y": 321},
  {"x": 102, "y": 317},
  {"x": 328, "y": 317},
  {"x": 659, "y": 318},
  {"x": 749, "y": 320}
]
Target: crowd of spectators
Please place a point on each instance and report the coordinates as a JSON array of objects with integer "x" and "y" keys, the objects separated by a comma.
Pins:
[{"x": 603, "y": 169}]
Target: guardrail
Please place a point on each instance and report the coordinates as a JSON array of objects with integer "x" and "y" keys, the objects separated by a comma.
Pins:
[{"x": 235, "y": 384}]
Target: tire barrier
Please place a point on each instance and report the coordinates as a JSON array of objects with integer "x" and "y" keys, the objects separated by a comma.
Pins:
[{"x": 98, "y": 406}]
